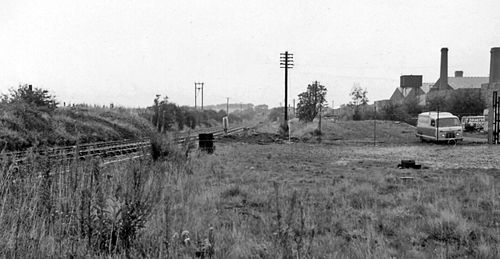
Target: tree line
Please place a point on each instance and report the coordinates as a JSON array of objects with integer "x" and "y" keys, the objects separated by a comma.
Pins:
[
  {"x": 166, "y": 116},
  {"x": 460, "y": 102}
]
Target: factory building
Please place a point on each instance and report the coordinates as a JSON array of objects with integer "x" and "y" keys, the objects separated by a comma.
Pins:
[
  {"x": 412, "y": 88},
  {"x": 445, "y": 84}
]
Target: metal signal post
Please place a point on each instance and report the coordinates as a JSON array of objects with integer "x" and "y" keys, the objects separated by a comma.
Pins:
[{"x": 286, "y": 62}]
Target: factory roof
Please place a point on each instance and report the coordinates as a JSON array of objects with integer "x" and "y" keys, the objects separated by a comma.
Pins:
[
  {"x": 464, "y": 82},
  {"x": 467, "y": 82}
]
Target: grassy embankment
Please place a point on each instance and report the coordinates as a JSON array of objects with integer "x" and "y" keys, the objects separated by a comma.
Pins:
[
  {"x": 250, "y": 201},
  {"x": 22, "y": 126}
]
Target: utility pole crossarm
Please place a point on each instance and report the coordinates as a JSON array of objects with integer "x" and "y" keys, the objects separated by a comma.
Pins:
[{"x": 286, "y": 62}]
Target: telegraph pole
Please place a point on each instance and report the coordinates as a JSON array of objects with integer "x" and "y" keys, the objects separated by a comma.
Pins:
[
  {"x": 316, "y": 84},
  {"x": 286, "y": 62},
  {"x": 196, "y": 89},
  {"x": 195, "y": 95},
  {"x": 333, "y": 110},
  {"x": 437, "y": 124}
]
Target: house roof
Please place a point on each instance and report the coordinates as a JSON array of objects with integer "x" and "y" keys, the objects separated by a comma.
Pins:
[
  {"x": 426, "y": 87},
  {"x": 404, "y": 91},
  {"x": 397, "y": 94}
]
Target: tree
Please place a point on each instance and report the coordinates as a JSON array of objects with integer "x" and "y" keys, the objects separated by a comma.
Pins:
[
  {"x": 463, "y": 102},
  {"x": 390, "y": 111},
  {"x": 412, "y": 106},
  {"x": 460, "y": 102},
  {"x": 167, "y": 114},
  {"x": 436, "y": 101},
  {"x": 275, "y": 114},
  {"x": 359, "y": 99},
  {"x": 35, "y": 97},
  {"x": 262, "y": 108},
  {"x": 311, "y": 101}
]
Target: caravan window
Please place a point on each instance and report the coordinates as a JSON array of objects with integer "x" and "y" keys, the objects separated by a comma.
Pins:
[{"x": 433, "y": 123}]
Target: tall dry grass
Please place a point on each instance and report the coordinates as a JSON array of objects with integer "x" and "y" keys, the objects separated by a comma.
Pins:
[{"x": 213, "y": 206}]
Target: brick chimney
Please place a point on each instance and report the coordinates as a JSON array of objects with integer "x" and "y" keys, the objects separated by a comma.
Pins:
[
  {"x": 495, "y": 66},
  {"x": 494, "y": 85},
  {"x": 443, "y": 76},
  {"x": 459, "y": 73}
]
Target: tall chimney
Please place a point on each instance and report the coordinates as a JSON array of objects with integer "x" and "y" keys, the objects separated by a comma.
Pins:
[
  {"x": 443, "y": 76},
  {"x": 493, "y": 86},
  {"x": 459, "y": 73},
  {"x": 495, "y": 66}
]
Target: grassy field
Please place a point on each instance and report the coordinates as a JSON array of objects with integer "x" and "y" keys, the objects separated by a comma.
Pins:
[
  {"x": 361, "y": 205},
  {"x": 348, "y": 132},
  {"x": 297, "y": 200}
]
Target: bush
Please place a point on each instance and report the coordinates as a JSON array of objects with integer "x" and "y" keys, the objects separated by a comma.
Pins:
[
  {"x": 283, "y": 130},
  {"x": 276, "y": 114},
  {"x": 34, "y": 97}
]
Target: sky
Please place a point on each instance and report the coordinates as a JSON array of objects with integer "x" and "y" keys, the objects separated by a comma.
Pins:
[{"x": 125, "y": 52}]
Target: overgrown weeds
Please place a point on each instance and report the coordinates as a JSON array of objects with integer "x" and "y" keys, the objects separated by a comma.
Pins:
[
  {"x": 237, "y": 204},
  {"x": 164, "y": 146},
  {"x": 294, "y": 234}
]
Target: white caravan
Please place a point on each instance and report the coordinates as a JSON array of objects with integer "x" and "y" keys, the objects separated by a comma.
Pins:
[{"x": 442, "y": 126}]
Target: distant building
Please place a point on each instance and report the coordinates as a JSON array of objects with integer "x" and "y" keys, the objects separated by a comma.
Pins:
[
  {"x": 411, "y": 86},
  {"x": 445, "y": 85},
  {"x": 457, "y": 83},
  {"x": 460, "y": 82}
]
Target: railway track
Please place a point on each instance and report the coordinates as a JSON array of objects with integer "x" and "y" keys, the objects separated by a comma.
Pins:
[{"x": 108, "y": 150}]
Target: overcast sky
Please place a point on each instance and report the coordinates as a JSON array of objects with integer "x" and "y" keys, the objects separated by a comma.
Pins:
[{"x": 125, "y": 52}]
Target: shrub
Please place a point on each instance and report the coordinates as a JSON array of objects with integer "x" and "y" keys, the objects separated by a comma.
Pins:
[{"x": 283, "y": 130}]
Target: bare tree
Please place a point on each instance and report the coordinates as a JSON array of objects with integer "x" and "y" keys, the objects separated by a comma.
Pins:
[{"x": 359, "y": 99}]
